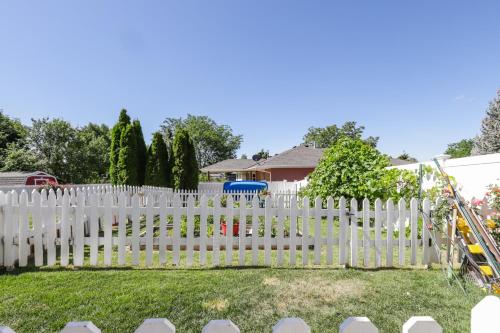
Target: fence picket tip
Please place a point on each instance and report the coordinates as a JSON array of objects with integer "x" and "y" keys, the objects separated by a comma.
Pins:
[
  {"x": 291, "y": 325},
  {"x": 484, "y": 315},
  {"x": 220, "y": 326},
  {"x": 80, "y": 327},
  {"x": 422, "y": 324},
  {"x": 5, "y": 329},
  {"x": 156, "y": 325},
  {"x": 357, "y": 325}
]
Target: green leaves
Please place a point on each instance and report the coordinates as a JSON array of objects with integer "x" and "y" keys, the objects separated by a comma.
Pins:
[
  {"x": 213, "y": 142},
  {"x": 157, "y": 167},
  {"x": 354, "y": 169},
  {"x": 185, "y": 170}
]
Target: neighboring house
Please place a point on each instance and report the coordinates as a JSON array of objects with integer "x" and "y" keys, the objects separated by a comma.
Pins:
[
  {"x": 291, "y": 165},
  {"x": 20, "y": 178}
]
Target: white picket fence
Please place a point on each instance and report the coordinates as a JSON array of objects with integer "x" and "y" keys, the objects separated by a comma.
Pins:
[
  {"x": 484, "y": 319},
  {"x": 128, "y": 224}
]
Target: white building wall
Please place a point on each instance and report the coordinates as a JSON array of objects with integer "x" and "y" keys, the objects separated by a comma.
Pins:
[{"x": 473, "y": 174}]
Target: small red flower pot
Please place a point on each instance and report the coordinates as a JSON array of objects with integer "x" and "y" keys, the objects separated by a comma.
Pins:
[{"x": 236, "y": 228}]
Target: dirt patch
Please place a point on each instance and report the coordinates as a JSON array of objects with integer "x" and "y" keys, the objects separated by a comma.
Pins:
[
  {"x": 314, "y": 291},
  {"x": 216, "y": 304}
]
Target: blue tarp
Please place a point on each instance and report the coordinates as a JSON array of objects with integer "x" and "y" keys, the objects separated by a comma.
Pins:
[{"x": 244, "y": 185}]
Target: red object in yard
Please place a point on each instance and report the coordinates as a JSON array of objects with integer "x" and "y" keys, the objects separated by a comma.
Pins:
[{"x": 236, "y": 228}]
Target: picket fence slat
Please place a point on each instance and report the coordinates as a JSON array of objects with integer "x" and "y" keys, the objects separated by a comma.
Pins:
[
  {"x": 378, "y": 233},
  {"x": 293, "y": 230},
  {"x": 354, "y": 232},
  {"x": 402, "y": 231},
  {"x": 390, "y": 231},
  {"x": 366, "y": 233},
  {"x": 23, "y": 230},
  {"x": 305, "y": 231},
  {"x": 342, "y": 231},
  {"x": 414, "y": 230},
  {"x": 242, "y": 232}
]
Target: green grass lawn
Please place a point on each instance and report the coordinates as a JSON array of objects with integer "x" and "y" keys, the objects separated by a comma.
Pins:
[{"x": 118, "y": 300}]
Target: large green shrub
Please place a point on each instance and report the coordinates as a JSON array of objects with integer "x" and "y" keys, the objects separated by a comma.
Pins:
[
  {"x": 157, "y": 173},
  {"x": 354, "y": 169},
  {"x": 185, "y": 170},
  {"x": 116, "y": 134},
  {"x": 127, "y": 159}
]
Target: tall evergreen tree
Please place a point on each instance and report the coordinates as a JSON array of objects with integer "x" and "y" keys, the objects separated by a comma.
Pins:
[
  {"x": 169, "y": 138},
  {"x": 141, "y": 152},
  {"x": 157, "y": 173},
  {"x": 185, "y": 170},
  {"x": 116, "y": 133},
  {"x": 489, "y": 140},
  {"x": 127, "y": 159}
]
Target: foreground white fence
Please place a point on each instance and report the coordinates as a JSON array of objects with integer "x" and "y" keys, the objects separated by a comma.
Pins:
[
  {"x": 484, "y": 319},
  {"x": 128, "y": 229},
  {"x": 131, "y": 226}
]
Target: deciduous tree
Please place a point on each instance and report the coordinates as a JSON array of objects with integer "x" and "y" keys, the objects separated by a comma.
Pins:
[
  {"x": 324, "y": 137},
  {"x": 213, "y": 142},
  {"x": 462, "y": 148}
]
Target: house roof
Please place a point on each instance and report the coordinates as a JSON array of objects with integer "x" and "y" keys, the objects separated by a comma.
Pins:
[
  {"x": 230, "y": 165},
  {"x": 298, "y": 157}
]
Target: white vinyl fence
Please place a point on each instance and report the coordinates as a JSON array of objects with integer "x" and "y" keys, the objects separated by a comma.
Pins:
[
  {"x": 157, "y": 227},
  {"x": 484, "y": 319}
]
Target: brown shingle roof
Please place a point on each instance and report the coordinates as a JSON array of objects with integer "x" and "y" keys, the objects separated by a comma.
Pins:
[
  {"x": 229, "y": 165},
  {"x": 298, "y": 157}
]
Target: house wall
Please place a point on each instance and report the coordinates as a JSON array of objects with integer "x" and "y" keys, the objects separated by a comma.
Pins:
[{"x": 289, "y": 174}]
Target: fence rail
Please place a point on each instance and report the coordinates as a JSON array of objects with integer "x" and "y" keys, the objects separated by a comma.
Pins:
[
  {"x": 484, "y": 319},
  {"x": 82, "y": 226}
]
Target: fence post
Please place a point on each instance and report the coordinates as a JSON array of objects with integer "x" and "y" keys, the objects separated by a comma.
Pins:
[
  {"x": 357, "y": 325},
  {"x": 220, "y": 326},
  {"x": 423, "y": 324},
  {"x": 156, "y": 325},
  {"x": 291, "y": 325},
  {"x": 80, "y": 327},
  {"x": 485, "y": 315}
]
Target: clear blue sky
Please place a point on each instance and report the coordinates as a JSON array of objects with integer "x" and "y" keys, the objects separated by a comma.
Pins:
[{"x": 419, "y": 74}]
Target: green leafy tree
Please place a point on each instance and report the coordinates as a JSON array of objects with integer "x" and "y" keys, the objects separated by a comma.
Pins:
[
  {"x": 262, "y": 154},
  {"x": 11, "y": 132},
  {"x": 116, "y": 134},
  {"x": 353, "y": 169},
  {"x": 127, "y": 159},
  {"x": 21, "y": 158},
  {"x": 157, "y": 173},
  {"x": 56, "y": 143},
  {"x": 185, "y": 171},
  {"x": 141, "y": 152},
  {"x": 244, "y": 156},
  {"x": 324, "y": 137},
  {"x": 488, "y": 141},
  {"x": 213, "y": 142},
  {"x": 406, "y": 157},
  {"x": 462, "y": 148},
  {"x": 95, "y": 142}
]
